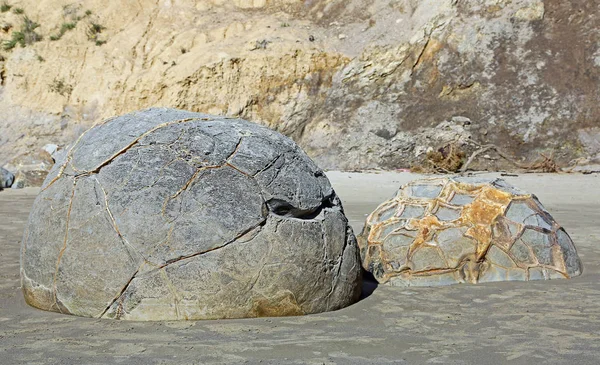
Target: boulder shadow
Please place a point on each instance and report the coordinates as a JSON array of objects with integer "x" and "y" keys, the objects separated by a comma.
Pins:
[{"x": 369, "y": 284}]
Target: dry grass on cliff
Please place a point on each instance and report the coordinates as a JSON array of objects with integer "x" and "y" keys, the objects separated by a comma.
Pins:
[
  {"x": 451, "y": 158},
  {"x": 446, "y": 159},
  {"x": 26, "y": 35}
]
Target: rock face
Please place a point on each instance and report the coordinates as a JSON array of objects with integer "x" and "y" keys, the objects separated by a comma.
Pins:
[
  {"x": 6, "y": 178},
  {"x": 165, "y": 214},
  {"x": 464, "y": 230},
  {"x": 31, "y": 168},
  {"x": 358, "y": 84}
]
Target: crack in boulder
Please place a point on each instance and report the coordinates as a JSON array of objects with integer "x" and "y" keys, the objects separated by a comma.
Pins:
[
  {"x": 180, "y": 258},
  {"x": 120, "y": 293},
  {"x": 135, "y": 142},
  {"x": 126, "y": 243},
  {"x": 62, "y": 251},
  {"x": 285, "y": 209}
]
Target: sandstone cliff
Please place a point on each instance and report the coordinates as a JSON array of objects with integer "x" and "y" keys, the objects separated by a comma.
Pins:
[{"x": 359, "y": 84}]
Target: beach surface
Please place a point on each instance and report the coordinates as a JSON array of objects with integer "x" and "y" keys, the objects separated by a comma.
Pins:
[{"x": 540, "y": 322}]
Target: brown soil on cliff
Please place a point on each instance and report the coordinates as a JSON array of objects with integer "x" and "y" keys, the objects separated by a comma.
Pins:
[{"x": 359, "y": 84}]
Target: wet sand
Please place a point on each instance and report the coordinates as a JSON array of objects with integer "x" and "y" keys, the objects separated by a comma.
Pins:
[{"x": 544, "y": 322}]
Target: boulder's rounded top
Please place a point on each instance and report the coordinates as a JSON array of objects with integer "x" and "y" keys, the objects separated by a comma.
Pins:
[
  {"x": 200, "y": 141},
  {"x": 160, "y": 126}
]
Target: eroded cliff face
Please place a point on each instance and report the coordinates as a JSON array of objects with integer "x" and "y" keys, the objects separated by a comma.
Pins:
[{"x": 359, "y": 84}]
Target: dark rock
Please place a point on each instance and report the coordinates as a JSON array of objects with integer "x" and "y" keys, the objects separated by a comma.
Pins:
[{"x": 6, "y": 178}]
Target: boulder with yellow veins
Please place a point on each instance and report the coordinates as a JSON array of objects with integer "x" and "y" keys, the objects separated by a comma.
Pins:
[{"x": 443, "y": 231}]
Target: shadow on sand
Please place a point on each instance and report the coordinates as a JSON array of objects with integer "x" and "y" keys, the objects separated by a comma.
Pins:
[{"x": 369, "y": 285}]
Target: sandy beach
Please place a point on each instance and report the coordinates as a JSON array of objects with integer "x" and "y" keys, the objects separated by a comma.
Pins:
[{"x": 543, "y": 322}]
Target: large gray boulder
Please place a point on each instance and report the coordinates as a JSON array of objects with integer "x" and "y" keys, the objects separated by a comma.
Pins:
[{"x": 166, "y": 214}]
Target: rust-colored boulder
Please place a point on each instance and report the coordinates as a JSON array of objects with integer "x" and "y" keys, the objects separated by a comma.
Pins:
[{"x": 455, "y": 230}]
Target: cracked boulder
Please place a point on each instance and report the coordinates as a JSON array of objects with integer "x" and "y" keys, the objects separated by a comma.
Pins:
[
  {"x": 164, "y": 214},
  {"x": 464, "y": 230}
]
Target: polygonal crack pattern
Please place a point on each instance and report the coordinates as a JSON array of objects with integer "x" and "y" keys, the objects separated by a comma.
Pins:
[
  {"x": 165, "y": 214},
  {"x": 443, "y": 231}
]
